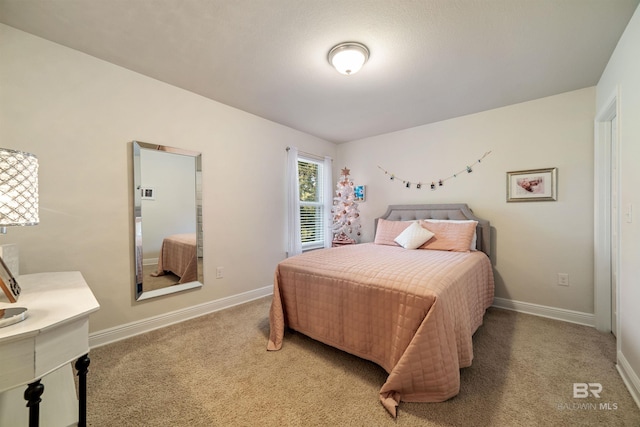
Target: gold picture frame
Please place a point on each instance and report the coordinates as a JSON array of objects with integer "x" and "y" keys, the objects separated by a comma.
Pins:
[
  {"x": 8, "y": 283},
  {"x": 533, "y": 185}
]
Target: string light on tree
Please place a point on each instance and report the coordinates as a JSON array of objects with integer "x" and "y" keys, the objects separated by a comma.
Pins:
[
  {"x": 346, "y": 216},
  {"x": 440, "y": 182}
]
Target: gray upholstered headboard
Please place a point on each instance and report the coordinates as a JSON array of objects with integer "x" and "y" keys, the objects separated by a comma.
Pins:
[{"x": 458, "y": 211}]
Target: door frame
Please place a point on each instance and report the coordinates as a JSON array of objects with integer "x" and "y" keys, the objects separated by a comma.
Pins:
[{"x": 602, "y": 211}]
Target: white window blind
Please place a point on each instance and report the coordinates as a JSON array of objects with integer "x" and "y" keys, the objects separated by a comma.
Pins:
[{"x": 312, "y": 212}]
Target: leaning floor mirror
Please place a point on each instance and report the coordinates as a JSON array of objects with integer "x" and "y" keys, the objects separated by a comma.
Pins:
[{"x": 167, "y": 188}]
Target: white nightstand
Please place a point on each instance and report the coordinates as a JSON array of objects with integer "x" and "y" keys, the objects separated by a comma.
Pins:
[{"x": 54, "y": 334}]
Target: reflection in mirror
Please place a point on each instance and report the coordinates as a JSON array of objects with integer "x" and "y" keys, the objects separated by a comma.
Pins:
[{"x": 167, "y": 184}]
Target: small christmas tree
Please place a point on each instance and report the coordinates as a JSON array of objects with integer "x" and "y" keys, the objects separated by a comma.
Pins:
[{"x": 346, "y": 217}]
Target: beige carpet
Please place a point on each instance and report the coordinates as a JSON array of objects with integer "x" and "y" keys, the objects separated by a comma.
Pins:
[
  {"x": 151, "y": 283},
  {"x": 215, "y": 371}
]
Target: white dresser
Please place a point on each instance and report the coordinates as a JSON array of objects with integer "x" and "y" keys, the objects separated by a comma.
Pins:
[{"x": 39, "y": 350}]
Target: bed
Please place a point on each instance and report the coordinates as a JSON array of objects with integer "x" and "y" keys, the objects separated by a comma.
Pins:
[
  {"x": 178, "y": 256},
  {"x": 411, "y": 311}
]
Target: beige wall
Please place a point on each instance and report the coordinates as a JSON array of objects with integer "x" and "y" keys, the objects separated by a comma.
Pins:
[
  {"x": 622, "y": 77},
  {"x": 78, "y": 114},
  {"x": 173, "y": 207},
  {"x": 534, "y": 240}
]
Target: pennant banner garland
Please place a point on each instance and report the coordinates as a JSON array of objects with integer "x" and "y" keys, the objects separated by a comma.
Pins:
[{"x": 433, "y": 184}]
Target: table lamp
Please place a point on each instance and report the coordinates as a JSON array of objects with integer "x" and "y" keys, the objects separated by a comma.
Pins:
[{"x": 18, "y": 206}]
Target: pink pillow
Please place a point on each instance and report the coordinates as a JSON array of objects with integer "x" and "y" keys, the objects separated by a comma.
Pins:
[
  {"x": 449, "y": 236},
  {"x": 387, "y": 231}
]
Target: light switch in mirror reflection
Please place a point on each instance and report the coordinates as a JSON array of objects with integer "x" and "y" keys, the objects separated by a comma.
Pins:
[{"x": 167, "y": 219}]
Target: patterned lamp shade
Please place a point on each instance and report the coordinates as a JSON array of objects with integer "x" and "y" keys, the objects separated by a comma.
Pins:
[{"x": 18, "y": 188}]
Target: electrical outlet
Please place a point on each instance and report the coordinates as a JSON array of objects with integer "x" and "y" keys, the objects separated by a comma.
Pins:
[
  {"x": 563, "y": 279},
  {"x": 219, "y": 272}
]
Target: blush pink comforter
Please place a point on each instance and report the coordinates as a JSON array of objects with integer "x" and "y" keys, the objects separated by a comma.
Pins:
[
  {"x": 413, "y": 312},
  {"x": 178, "y": 255}
]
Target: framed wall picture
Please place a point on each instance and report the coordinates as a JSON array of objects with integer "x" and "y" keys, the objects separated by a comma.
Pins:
[
  {"x": 359, "y": 193},
  {"x": 8, "y": 283},
  {"x": 533, "y": 185}
]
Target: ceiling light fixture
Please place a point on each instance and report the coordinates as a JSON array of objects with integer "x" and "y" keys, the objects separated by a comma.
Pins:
[{"x": 348, "y": 57}]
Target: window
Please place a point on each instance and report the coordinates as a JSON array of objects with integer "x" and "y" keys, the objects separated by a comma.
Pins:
[{"x": 312, "y": 203}]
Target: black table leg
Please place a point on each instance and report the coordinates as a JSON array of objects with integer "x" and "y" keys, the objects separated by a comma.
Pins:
[
  {"x": 32, "y": 396},
  {"x": 82, "y": 365}
]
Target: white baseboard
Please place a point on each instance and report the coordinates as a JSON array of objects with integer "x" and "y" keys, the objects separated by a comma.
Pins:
[
  {"x": 570, "y": 316},
  {"x": 107, "y": 336},
  {"x": 629, "y": 377}
]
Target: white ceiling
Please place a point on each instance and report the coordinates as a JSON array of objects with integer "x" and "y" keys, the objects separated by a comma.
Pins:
[{"x": 431, "y": 60}]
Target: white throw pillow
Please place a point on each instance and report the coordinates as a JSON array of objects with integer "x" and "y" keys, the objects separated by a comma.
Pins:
[{"x": 413, "y": 236}]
